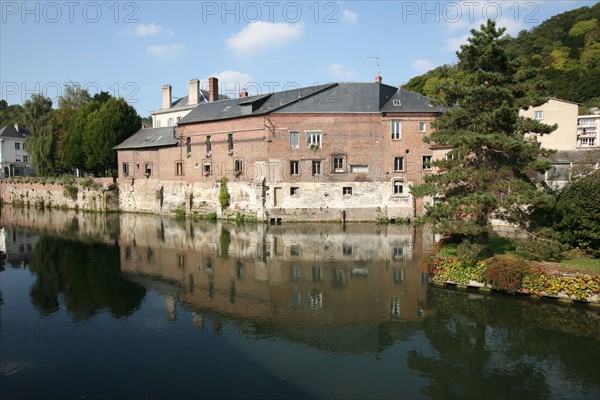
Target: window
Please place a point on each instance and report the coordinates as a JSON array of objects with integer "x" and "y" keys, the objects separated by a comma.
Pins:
[
  {"x": 18, "y": 159},
  {"x": 398, "y": 187},
  {"x": 347, "y": 191},
  {"x": 317, "y": 273},
  {"x": 178, "y": 119},
  {"x": 346, "y": 249},
  {"x": 313, "y": 139},
  {"x": 25, "y": 158},
  {"x": 396, "y": 130},
  {"x": 316, "y": 167},
  {"x": 338, "y": 164},
  {"x": 539, "y": 115},
  {"x": 179, "y": 168},
  {"x": 238, "y": 166},
  {"x": 125, "y": 169},
  {"x": 170, "y": 122},
  {"x": 294, "y": 168},
  {"x": 359, "y": 169},
  {"x": 17, "y": 146},
  {"x": 398, "y": 164},
  {"x": 207, "y": 168},
  {"x": 208, "y": 144},
  {"x": 587, "y": 141},
  {"x": 294, "y": 140},
  {"x": 148, "y": 169},
  {"x": 397, "y": 253},
  {"x": 427, "y": 163},
  {"x": 230, "y": 142},
  {"x": 586, "y": 121},
  {"x": 188, "y": 145},
  {"x": 422, "y": 126},
  {"x": 294, "y": 191}
]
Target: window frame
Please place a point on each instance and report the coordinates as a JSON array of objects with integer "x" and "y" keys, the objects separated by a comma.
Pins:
[
  {"x": 396, "y": 129},
  {"x": 311, "y": 136},
  {"x": 347, "y": 191},
  {"x": 208, "y": 144},
  {"x": 398, "y": 183},
  {"x": 179, "y": 168},
  {"x": 342, "y": 161},
  {"x": 538, "y": 115},
  {"x": 430, "y": 166},
  {"x": 422, "y": 126},
  {"x": 401, "y": 169},
  {"x": 148, "y": 169},
  {"x": 294, "y": 191},
  {"x": 238, "y": 166},
  {"x": 230, "y": 142},
  {"x": 316, "y": 168},
  {"x": 294, "y": 167},
  {"x": 296, "y": 144}
]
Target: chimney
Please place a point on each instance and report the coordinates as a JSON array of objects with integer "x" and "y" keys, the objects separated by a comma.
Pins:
[
  {"x": 193, "y": 86},
  {"x": 378, "y": 79},
  {"x": 166, "y": 96},
  {"x": 244, "y": 93},
  {"x": 213, "y": 89},
  {"x": 16, "y": 127}
]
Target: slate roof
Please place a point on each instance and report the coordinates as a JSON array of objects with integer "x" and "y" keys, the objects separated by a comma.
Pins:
[
  {"x": 9, "y": 131},
  {"x": 329, "y": 98},
  {"x": 202, "y": 98},
  {"x": 150, "y": 137}
]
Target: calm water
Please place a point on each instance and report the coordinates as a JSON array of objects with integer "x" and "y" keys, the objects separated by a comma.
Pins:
[{"x": 132, "y": 306}]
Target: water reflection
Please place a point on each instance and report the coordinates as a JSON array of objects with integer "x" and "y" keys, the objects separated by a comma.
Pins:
[{"x": 355, "y": 296}]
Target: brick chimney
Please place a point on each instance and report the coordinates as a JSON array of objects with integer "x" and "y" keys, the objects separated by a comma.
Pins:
[
  {"x": 378, "y": 79},
  {"x": 193, "y": 86},
  {"x": 166, "y": 97},
  {"x": 213, "y": 89},
  {"x": 244, "y": 93}
]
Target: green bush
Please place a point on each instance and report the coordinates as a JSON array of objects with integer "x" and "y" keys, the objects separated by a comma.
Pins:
[
  {"x": 544, "y": 246},
  {"x": 469, "y": 252},
  {"x": 224, "y": 196},
  {"x": 578, "y": 211},
  {"x": 211, "y": 216},
  {"x": 180, "y": 213},
  {"x": 70, "y": 191}
]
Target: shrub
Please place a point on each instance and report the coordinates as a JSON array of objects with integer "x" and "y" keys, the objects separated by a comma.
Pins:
[
  {"x": 70, "y": 191},
  {"x": 578, "y": 211},
  {"x": 224, "y": 196},
  {"x": 211, "y": 216},
  {"x": 180, "y": 213},
  {"x": 506, "y": 273},
  {"x": 470, "y": 252}
]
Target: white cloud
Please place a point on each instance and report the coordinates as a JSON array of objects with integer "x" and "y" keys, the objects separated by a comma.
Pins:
[
  {"x": 231, "y": 83},
  {"x": 151, "y": 29},
  {"x": 422, "y": 65},
  {"x": 166, "y": 51},
  {"x": 341, "y": 72},
  {"x": 453, "y": 44},
  {"x": 349, "y": 16},
  {"x": 261, "y": 36}
]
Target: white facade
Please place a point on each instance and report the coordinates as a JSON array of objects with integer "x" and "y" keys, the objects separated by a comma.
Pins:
[
  {"x": 587, "y": 131},
  {"x": 14, "y": 160},
  {"x": 562, "y": 113}
]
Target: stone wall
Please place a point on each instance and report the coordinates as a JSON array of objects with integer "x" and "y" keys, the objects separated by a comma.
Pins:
[{"x": 54, "y": 195}]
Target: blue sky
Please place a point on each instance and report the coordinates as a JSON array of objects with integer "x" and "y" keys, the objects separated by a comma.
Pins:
[{"x": 132, "y": 48}]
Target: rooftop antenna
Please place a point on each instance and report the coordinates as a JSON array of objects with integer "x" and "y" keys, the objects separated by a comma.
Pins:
[{"x": 376, "y": 63}]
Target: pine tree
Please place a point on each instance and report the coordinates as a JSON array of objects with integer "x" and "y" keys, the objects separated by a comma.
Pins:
[{"x": 488, "y": 171}]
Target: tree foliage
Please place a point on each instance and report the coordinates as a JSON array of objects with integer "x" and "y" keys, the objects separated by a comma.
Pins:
[
  {"x": 10, "y": 114},
  {"x": 41, "y": 145},
  {"x": 578, "y": 214},
  {"x": 565, "y": 50},
  {"x": 106, "y": 127},
  {"x": 486, "y": 172},
  {"x": 70, "y": 103}
]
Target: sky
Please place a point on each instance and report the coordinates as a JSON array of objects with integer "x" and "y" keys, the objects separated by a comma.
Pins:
[{"x": 132, "y": 48}]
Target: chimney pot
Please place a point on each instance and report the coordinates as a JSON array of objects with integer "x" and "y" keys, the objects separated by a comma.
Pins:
[
  {"x": 193, "y": 87},
  {"x": 378, "y": 79},
  {"x": 166, "y": 96},
  {"x": 244, "y": 93},
  {"x": 213, "y": 89}
]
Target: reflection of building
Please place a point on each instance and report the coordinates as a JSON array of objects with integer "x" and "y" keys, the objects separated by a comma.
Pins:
[
  {"x": 14, "y": 160},
  {"x": 18, "y": 245},
  {"x": 364, "y": 275}
]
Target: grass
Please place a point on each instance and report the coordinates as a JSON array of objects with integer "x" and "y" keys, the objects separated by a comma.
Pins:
[{"x": 502, "y": 246}]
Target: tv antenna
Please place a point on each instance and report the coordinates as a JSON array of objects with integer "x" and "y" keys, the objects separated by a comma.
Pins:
[{"x": 376, "y": 63}]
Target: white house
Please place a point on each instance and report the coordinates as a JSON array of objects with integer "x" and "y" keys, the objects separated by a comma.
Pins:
[{"x": 14, "y": 160}]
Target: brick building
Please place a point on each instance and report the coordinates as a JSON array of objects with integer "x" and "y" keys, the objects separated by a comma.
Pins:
[{"x": 326, "y": 152}]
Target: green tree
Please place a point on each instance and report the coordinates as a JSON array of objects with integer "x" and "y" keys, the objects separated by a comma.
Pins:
[
  {"x": 224, "y": 195},
  {"x": 41, "y": 145},
  {"x": 10, "y": 114},
  {"x": 489, "y": 154},
  {"x": 578, "y": 214},
  {"x": 72, "y": 101},
  {"x": 112, "y": 123}
]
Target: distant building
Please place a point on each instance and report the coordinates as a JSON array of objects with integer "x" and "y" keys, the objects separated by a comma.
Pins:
[
  {"x": 564, "y": 114},
  {"x": 588, "y": 127},
  {"x": 172, "y": 111},
  {"x": 14, "y": 160}
]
